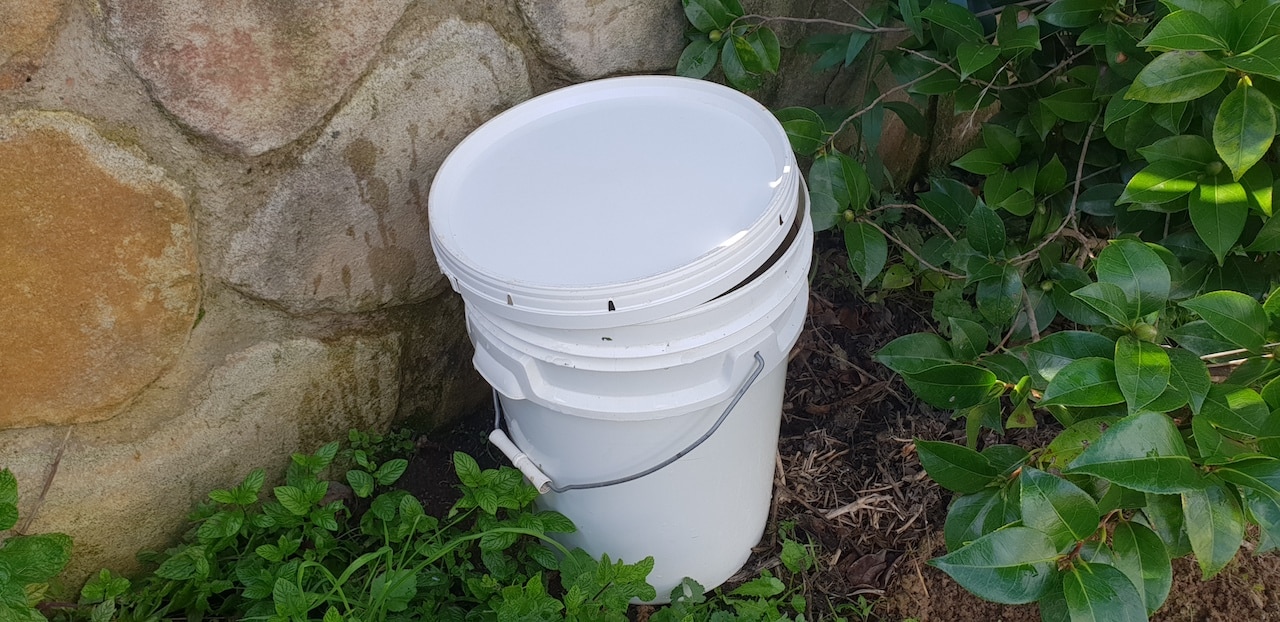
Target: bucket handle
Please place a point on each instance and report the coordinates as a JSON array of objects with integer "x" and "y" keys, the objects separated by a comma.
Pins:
[{"x": 544, "y": 484}]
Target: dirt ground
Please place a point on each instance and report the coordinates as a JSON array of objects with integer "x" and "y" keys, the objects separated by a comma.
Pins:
[{"x": 848, "y": 478}]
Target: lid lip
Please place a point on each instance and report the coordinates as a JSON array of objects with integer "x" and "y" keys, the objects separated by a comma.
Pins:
[{"x": 624, "y": 301}]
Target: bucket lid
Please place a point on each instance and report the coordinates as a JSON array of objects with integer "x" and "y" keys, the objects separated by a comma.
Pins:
[{"x": 613, "y": 202}]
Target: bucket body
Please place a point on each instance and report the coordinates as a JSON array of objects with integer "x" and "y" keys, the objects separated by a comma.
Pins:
[{"x": 605, "y": 378}]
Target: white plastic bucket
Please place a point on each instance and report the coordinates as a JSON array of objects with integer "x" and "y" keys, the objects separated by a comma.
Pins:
[{"x": 630, "y": 303}]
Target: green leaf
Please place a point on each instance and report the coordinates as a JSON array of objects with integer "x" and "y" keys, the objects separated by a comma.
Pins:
[
  {"x": 1019, "y": 29},
  {"x": 1258, "y": 185},
  {"x": 34, "y": 559},
  {"x": 708, "y": 15},
  {"x": 698, "y": 58},
  {"x": 975, "y": 515},
  {"x": 1177, "y": 77},
  {"x": 1071, "y": 442},
  {"x": 1002, "y": 142},
  {"x": 1020, "y": 203},
  {"x": 915, "y": 352},
  {"x": 1073, "y": 13},
  {"x": 999, "y": 299},
  {"x": 981, "y": 161},
  {"x": 1243, "y": 129},
  {"x": 8, "y": 487},
  {"x": 1138, "y": 271},
  {"x": 836, "y": 183},
  {"x": 1160, "y": 182},
  {"x": 764, "y": 43},
  {"x": 361, "y": 483},
  {"x": 868, "y": 250},
  {"x": 1049, "y": 355},
  {"x": 1141, "y": 555},
  {"x": 1237, "y": 409},
  {"x": 910, "y": 116},
  {"x": 221, "y": 525},
  {"x": 1200, "y": 338},
  {"x": 949, "y": 201},
  {"x": 1067, "y": 279},
  {"x": 968, "y": 338},
  {"x": 736, "y": 58},
  {"x": 910, "y": 10},
  {"x": 1120, "y": 107},
  {"x": 1254, "y": 21},
  {"x": 1191, "y": 150},
  {"x": 467, "y": 470},
  {"x": 1101, "y": 593},
  {"x": 1184, "y": 30},
  {"x": 1190, "y": 376},
  {"x": 1263, "y": 60},
  {"x": 1109, "y": 300},
  {"x": 1218, "y": 211},
  {"x": 293, "y": 499},
  {"x": 1072, "y": 104},
  {"x": 390, "y": 471},
  {"x": 955, "y": 467},
  {"x": 1218, "y": 11},
  {"x": 1265, "y": 511},
  {"x": 1215, "y": 525},
  {"x": 804, "y": 129},
  {"x": 1268, "y": 238},
  {"x": 1056, "y": 507},
  {"x": 986, "y": 231},
  {"x": 1235, "y": 316},
  {"x": 1142, "y": 370},
  {"x": 1084, "y": 382},
  {"x": 1013, "y": 566},
  {"x": 955, "y": 18},
  {"x": 951, "y": 386},
  {"x": 289, "y": 599},
  {"x": 975, "y": 56},
  {"x": 1052, "y": 177},
  {"x": 1143, "y": 452}
]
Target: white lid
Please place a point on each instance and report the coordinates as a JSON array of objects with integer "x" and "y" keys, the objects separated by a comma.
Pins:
[{"x": 613, "y": 202}]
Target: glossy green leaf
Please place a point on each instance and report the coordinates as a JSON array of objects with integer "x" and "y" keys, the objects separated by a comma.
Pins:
[
  {"x": 1200, "y": 338},
  {"x": 1191, "y": 150},
  {"x": 1049, "y": 355},
  {"x": 1184, "y": 30},
  {"x": 981, "y": 161},
  {"x": 986, "y": 231},
  {"x": 975, "y": 56},
  {"x": 999, "y": 299},
  {"x": 1178, "y": 77},
  {"x": 868, "y": 250},
  {"x": 1084, "y": 382},
  {"x": 1142, "y": 370},
  {"x": 764, "y": 43},
  {"x": 698, "y": 58},
  {"x": 1163, "y": 514},
  {"x": 1014, "y": 565},
  {"x": 1138, "y": 271},
  {"x": 948, "y": 200},
  {"x": 951, "y": 386},
  {"x": 1218, "y": 211},
  {"x": 1072, "y": 104},
  {"x": 915, "y": 352},
  {"x": 954, "y": 18},
  {"x": 1263, "y": 60},
  {"x": 708, "y": 15},
  {"x": 1160, "y": 182},
  {"x": 910, "y": 116},
  {"x": 955, "y": 467},
  {"x": 1056, "y": 507},
  {"x": 1067, "y": 279},
  {"x": 1120, "y": 107},
  {"x": 1109, "y": 300},
  {"x": 1252, "y": 22},
  {"x": 1235, "y": 316},
  {"x": 1237, "y": 409},
  {"x": 1141, "y": 555},
  {"x": 1002, "y": 142},
  {"x": 1189, "y": 375},
  {"x": 1259, "y": 186},
  {"x": 1215, "y": 525},
  {"x": 968, "y": 338},
  {"x": 910, "y": 10},
  {"x": 1101, "y": 593},
  {"x": 1244, "y": 129},
  {"x": 1052, "y": 177},
  {"x": 736, "y": 59},
  {"x": 804, "y": 128},
  {"x": 1071, "y": 442},
  {"x": 1265, "y": 511},
  {"x": 1073, "y": 13},
  {"x": 1143, "y": 452},
  {"x": 829, "y": 190},
  {"x": 1018, "y": 30},
  {"x": 975, "y": 515}
]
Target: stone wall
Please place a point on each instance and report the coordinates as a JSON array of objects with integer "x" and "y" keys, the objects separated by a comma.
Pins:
[{"x": 213, "y": 228}]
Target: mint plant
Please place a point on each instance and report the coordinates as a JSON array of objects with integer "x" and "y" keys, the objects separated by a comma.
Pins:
[{"x": 27, "y": 563}]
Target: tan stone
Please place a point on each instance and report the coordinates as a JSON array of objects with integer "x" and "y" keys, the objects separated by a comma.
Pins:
[
  {"x": 252, "y": 75},
  {"x": 99, "y": 268},
  {"x": 589, "y": 39},
  {"x": 26, "y": 26}
]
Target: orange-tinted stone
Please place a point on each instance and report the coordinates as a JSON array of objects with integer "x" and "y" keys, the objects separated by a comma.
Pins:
[
  {"x": 99, "y": 272},
  {"x": 26, "y": 26}
]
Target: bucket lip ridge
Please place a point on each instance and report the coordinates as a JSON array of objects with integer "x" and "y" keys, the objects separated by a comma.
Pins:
[{"x": 626, "y": 301}]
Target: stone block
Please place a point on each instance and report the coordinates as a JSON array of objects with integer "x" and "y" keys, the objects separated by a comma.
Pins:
[
  {"x": 101, "y": 280},
  {"x": 589, "y": 39},
  {"x": 250, "y": 75},
  {"x": 346, "y": 230}
]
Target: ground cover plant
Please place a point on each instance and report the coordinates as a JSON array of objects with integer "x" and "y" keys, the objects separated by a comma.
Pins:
[{"x": 1106, "y": 246}]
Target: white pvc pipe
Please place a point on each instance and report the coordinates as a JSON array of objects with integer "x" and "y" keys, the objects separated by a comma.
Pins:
[{"x": 521, "y": 461}]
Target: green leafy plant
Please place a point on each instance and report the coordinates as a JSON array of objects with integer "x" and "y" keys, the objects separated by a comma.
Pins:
[
  {"x": 1102, "y": 249},
  {"x": 27, "y": 563}
]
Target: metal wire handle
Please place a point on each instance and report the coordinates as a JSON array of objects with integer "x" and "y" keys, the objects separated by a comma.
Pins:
[{"x": 757, "y": 369}]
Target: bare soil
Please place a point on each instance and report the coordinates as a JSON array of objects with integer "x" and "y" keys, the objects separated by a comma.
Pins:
[{"x": 849, "y": 480}]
